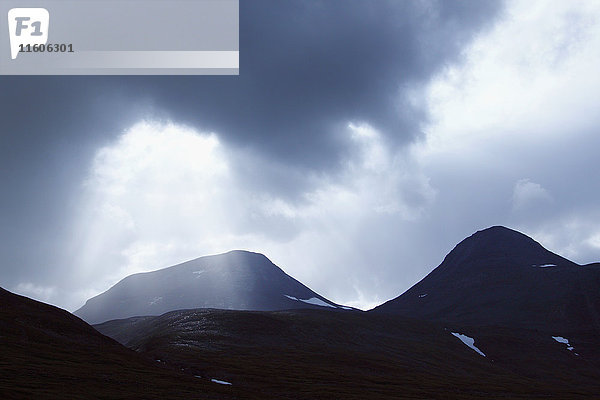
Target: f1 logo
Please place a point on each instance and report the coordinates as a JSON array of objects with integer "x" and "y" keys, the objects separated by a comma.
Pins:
[{"x": 27, "y": 26}]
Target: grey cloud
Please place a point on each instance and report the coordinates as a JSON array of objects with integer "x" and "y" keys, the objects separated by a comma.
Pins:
[
  {"x": 306, "y": 69},
  {"x": 309, "y": 67}
]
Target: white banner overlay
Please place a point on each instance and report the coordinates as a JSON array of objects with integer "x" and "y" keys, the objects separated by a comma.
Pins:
[{"x": 124, "y": 37}]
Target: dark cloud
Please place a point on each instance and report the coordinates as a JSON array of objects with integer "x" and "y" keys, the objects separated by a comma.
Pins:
[{"x": 307, "y": 68}]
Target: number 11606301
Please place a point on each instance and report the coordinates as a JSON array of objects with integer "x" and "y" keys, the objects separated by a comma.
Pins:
[{"x": 46, "y": 48}]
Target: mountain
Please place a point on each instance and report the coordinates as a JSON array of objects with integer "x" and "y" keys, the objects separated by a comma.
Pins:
[
  {"x": 238, "y": 280},
  {"x": 501, "y": 317},
  {"x": 317, "y": 354},
  {"x": 46, "y": 352},
  {"x": 501, "y": 277}
]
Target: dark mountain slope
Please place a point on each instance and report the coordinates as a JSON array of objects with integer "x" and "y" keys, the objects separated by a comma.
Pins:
[
  {"x": 501, "y": 277},
  {"x": 316, "y": 354},
  {"x": 237, "y": 280},
  {"x": 48, "y": 353}
]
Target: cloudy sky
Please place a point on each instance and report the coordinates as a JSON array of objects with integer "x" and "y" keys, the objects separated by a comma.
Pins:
[{"x": 360, "y": 143}]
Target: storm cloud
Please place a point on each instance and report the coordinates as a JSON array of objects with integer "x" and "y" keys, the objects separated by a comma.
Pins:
[{"x": 358, "y": 144}]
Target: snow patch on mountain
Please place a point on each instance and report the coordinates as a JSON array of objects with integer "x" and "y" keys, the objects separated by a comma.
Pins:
[
  {"x": 563, "y": 340},
  {"x": 220, "y": 382},
  {"x": 313, "y": 300},
  {"x": 155, "y": 300},
  {"x": 317, "y": 302},
  {"x": 469, "y": 341},
  {"x": 544, "y": 265}
]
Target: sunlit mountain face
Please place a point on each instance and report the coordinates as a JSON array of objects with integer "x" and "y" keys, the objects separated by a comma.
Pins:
[{"x": 238, "y": 280}]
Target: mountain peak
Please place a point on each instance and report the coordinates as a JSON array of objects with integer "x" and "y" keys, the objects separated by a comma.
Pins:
[
  {"x": 497, "y": 242},
  {"x": 500, "y": 233},
  {"x": 244, "y": 253},
  {"x": 238, "y": 279}
]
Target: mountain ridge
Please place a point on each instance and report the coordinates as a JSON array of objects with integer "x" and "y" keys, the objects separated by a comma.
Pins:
[
  {"x": 47, "y": 352},
  {"x": 316, "y": 354}
]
